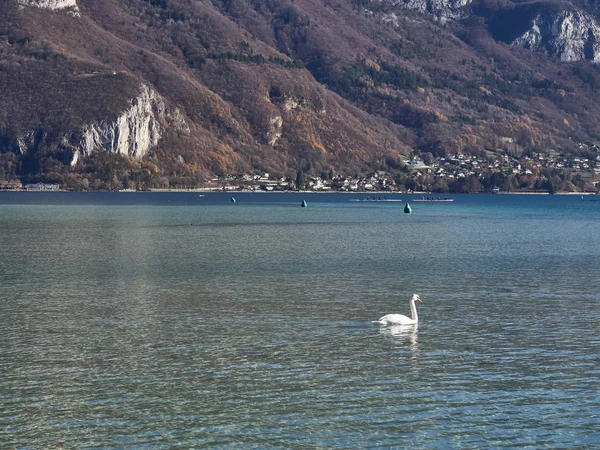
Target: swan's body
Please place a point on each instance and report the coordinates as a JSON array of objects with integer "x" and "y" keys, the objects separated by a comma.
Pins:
[{"x": 400, "y": 319}]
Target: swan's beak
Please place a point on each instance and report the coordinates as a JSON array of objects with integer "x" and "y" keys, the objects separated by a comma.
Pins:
[{"x": 419, "y": 299}]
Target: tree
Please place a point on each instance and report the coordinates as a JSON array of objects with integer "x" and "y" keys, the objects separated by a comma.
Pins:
[
  {"x": 549, "y": 186},
  {"x": 474, "y": 184},
  {"x": 428, "y": 158},
  {"x": 300, "y": 179}
]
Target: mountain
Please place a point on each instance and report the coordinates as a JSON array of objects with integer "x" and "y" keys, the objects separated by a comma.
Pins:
[{"x": 170, "y": 93}]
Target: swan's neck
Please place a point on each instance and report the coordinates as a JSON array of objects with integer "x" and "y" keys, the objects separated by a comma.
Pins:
[{"x": 413, "y": 311}]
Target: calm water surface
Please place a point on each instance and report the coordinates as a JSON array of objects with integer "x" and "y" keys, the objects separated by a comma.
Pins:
[{"x": 174, "y": 321}]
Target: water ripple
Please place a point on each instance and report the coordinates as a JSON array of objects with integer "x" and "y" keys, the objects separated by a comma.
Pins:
[{"x": 119, "y": 329}]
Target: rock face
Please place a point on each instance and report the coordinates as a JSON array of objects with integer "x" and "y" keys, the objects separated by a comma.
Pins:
[
  {"x": 569, "y": 35},
  {"x": 442, "y": 10},
  {"x": 70, "y": 5},
  {"x": 133, "y": 133},
  {"x": 274, "y": 133}
]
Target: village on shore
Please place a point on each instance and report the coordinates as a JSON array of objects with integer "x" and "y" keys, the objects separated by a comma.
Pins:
[
  {"x": 459, "y": 173},
  {"x": 538, "y": 173}
]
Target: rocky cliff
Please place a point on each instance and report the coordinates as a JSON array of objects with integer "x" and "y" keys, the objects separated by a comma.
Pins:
[
  {"x": 133, "y": 133},
  {"x": 562, "y": 31},
  {"x": 68, "y": 5},
  {"x": 442, "y": 10},
  {"x": 570, "y": 35}
]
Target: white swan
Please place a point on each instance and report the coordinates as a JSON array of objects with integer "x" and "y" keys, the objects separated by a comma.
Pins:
[{"x": 399, "y": 319}]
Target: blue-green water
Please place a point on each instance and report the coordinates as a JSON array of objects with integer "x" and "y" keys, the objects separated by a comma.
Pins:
[{"x": 174, "y": 321}]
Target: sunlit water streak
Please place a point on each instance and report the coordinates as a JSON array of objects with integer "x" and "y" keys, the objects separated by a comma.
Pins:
[{"x": 166, "y": 321}]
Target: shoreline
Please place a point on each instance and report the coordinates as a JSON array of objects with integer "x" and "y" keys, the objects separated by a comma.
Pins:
[
  {"x": 435, "y": 194},
  {"x": 248, "y": 191}
]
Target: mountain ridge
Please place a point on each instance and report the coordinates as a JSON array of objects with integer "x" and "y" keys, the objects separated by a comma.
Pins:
[{"x": 313, "y": 86}]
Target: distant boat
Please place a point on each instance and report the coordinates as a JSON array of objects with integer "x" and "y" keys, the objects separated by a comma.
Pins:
[
  {"x": 304, "y": 204},
  {"x": 202, "y": 195},
  {"x": 433, "y": 199},
  {"x": 374, "y": 199}
]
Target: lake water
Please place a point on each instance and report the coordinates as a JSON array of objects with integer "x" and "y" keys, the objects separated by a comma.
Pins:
[{"x": 173, "y": 321}]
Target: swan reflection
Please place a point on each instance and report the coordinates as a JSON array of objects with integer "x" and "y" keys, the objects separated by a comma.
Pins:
[{"x": 403, "y": 333}]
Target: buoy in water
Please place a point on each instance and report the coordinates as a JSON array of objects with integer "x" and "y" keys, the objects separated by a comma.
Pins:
[
  {"x": 232, "y": 199},
  {"x": 304, "y": 204},
  {"x": 407, "y": 208}
]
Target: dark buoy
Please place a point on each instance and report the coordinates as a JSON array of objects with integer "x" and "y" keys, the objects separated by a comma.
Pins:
[
  {"x": 232, "y": 199},
  {"x": 407, "y": 208},
  {"x": 303, "y": 204}
]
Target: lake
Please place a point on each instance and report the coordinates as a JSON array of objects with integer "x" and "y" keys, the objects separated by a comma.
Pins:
[{"x": 170, "y": 320}]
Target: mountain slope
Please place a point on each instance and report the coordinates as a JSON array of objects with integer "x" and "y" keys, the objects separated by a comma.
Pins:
[{"x": 159, "y": 93}]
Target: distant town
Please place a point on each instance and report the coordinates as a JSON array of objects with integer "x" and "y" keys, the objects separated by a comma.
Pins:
[
  {"x": 535, "y": 173},
  {"x": 459, "y": 173}
]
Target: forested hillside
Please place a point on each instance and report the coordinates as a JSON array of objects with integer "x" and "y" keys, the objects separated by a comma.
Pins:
[{"x": 171, "y": 93}]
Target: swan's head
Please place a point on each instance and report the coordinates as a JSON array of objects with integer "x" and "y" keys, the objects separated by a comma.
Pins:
[{"x": 416, "y": 298}]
